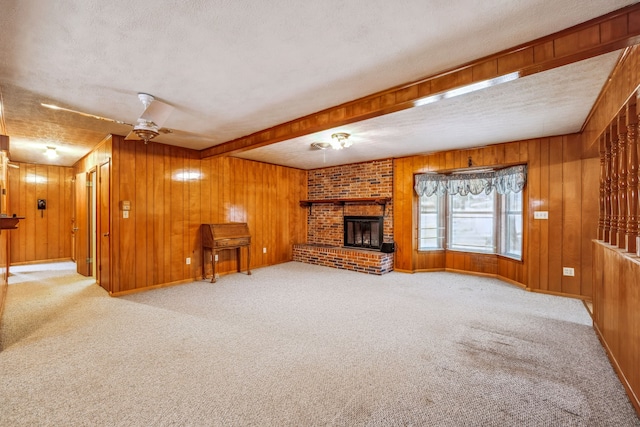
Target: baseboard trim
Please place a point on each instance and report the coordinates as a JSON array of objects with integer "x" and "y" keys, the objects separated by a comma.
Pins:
[
  {"x": 41, "y": 261},
  {"x": 635, "y": 401},
  {"x": 149, "y": 288},
  {"x": 559, "y": 294}
]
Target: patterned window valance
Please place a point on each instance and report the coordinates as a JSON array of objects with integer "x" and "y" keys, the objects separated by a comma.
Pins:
[{"x": 503, "y": 181}]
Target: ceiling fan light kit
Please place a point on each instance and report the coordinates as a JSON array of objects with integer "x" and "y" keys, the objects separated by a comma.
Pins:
[{"x": 340, "y": 140}]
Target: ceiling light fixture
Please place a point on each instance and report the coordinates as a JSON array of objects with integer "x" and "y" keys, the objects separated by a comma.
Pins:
[
  {"x": 51, "y": 153},
  {"x": 340, "y": 140}
]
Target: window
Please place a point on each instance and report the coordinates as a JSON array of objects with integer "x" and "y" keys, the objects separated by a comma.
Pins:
[
  {"x": 473, "y": 223},
  {"x": 431, "y": 223},
  {"x": 511, "y": 225}
]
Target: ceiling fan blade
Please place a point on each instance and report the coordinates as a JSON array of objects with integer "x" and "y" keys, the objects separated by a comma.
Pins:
[
  {"x": 157, "y": 112},
  {"x": 93, "y": 116}
]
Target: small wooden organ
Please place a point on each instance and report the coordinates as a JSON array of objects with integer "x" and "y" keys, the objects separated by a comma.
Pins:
[{"x": 218, "y": 237}]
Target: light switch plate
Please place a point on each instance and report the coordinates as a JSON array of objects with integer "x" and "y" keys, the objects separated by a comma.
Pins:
[
  {"x": 541, "y": 215},
  {"x": 568, "y": 271}
]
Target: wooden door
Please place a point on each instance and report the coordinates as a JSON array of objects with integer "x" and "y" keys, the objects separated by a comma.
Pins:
[
  {"x": 82, "y": 226},
  {"x": 104, "y": 222}
]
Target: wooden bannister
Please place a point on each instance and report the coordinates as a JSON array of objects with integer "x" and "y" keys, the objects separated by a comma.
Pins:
[{"x": 601, "y": 194}]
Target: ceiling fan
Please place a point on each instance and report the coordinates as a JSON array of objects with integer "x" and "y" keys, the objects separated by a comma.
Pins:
[{"x": 148, "y": 125}]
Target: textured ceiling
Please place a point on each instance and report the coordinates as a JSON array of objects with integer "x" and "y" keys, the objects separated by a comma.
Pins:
[{"x": 231, "y": 68}]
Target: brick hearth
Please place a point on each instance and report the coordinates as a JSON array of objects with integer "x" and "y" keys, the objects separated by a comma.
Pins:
[{"x": 364, "y": 261}]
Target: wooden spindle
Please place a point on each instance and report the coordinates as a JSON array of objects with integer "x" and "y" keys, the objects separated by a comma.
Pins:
[
  {"x": 603, "y": 178},
  {"x": 613, "y": 137},
  {"x": 607, "y": 186},
  {"x": 632, "y": 177},
  {"x": 622, "y": 179}
]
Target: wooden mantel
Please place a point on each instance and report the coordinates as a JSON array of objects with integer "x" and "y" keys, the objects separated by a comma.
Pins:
[{"x": 341, "y": 202}]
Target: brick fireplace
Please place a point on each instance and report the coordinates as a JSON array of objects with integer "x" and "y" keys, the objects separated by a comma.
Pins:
[{"x": 326, "y": 233}]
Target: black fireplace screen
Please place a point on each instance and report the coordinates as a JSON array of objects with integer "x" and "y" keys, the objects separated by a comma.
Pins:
[{"x": 363, "y": 231}]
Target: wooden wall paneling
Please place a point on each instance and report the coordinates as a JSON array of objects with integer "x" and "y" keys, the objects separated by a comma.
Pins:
[
  {"x": 253, "y": 212},
  {"x": 42, "y": 218},
  {"x": 450, "y": 161},
  {"x": 53, "y": 211},
  {"x": 403, "y": 178},
  {"x": 491, "y": 155},
  {"x": 17, "y": 243},
  {"x": 261, "y": 225},
  {"x": 114, "y": 143},
  {"x": 41, "y": 235},
  {"x": 176, "y": 218},
  {"x": 145, "y": 154},
  {"x": 206, "y": 185},
  {"x": 572, "y": 213},
  {"x": 283, "y": 218},
  {"x": 441, "y": 160},
  {"x": 543, "y": 268},
  {"x": 168, "y": 213},
  {"x": 141, "y": 212},
  {"x": 611, "y": 300},
  {"x": 158, "y": 219},
  {"x": 185, "y": 251},
  {"x": 556, "y": 215},
  {"x": 590, "y": 202},
  {"x": 127, "y": 247},
  {"x": 535, "y": 202},
  {"x": 512, "y": 152},
  {"x": 195, "y": 218},
  {"x": 631, "y": 274},
  {"x": 273, "y": 212}
]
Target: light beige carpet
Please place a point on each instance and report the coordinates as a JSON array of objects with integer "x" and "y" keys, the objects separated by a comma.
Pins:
[{"x": 301, "y": 345}]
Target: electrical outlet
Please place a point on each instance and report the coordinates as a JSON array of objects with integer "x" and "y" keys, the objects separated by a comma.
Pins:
[
  {"x": 264, "y": 250},
  {"x": 216, "y": 258},
  {"x": 541, "y": 215},
  {"x": 188, "y": 260},
  {"x": 125, "y": 214},
  {"x": 568, "y": 271}
]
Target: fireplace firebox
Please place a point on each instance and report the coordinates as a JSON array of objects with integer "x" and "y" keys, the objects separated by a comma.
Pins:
[{"x": 363, "y": 231}]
